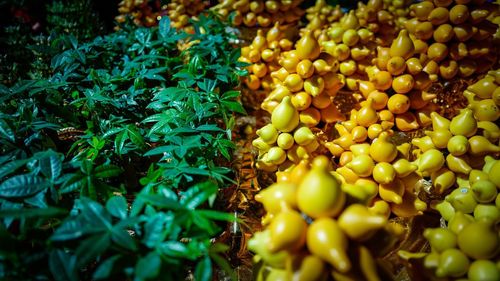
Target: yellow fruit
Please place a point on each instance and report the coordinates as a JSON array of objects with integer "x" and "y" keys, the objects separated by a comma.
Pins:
[
  {"x": 314, "y": 85},
  {"x": 437, "y": 52},
  {"x": 293, "y": 82},
  {"x": 382, "y": 80},
  {"x": 258, "y": 244},
  {"x": 483, "y": 88},
  {"x": 443, "y": 33},
  {"x": 367, "y": 115},
  {"x": 285, "y": 140},
  {"x": 268, "y": 133},
  {"x": 275, "y": 155},
  {"x": 438, "y": 16},
  {"x": 285, "y": 117},
  {"x": 464, "y": 124},
  {"x": 404, "y": 167},
  {"x": 326, "y": 240},
  {"x": 305, "y": 68},
  {"x": 384, "y": 173},
  {"x": 288, "y": 232},
  {"x": 362, "y": 165},
  {"x": 422, "y": 9},
  {"x": 440, "y": 137},
  {"x": 278, "y": 197},
  {"x": 413, "y": 66},
  {"x": 319, "y": 194},
  {"x": 307, "y": 47},
  {"x": 479, "y": 146},
  {"x": 406, "y": 121},
  {"x": 379, "y": 102},
  {"x": 312, "y": 268},
  {"x": 458, "y": 145},
  {"x": 358, "y": 223},
  {"x": 396, "y": 65},
  {"x": 402, "y": 46},
  {"x": 430, "y": 161},
  {"x": 382, "y": 150},
  {"x": 424, "y": 30},
  {"x": 479, "y": 240},
  {"x": 457, "y": 164},
  {"x": 303, "y": 136},
  {"x": 494, "y": 173},
  {"x": 398, "y": 103},
  {"x": 392, "y": 192},
  {"x": 442, "y": 180},
  {"x": 485, "y": 110}
]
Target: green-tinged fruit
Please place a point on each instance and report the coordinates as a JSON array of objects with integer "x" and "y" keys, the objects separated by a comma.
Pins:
[
  {"x": 487, "y": 211},
  {"x": 479, "y": 240},
  {"x": 452, "y": 263},
  {"x": 459, "y": 221},
  {"x": 483, "y": 270},
  {"x": 440, "y": 238},
  {"x": 285, "y": 117},
  {"x": 484, "y": 191}
]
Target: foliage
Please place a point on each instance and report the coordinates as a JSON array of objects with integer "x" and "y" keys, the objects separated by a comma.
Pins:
[{"x": 130, "y": 192}]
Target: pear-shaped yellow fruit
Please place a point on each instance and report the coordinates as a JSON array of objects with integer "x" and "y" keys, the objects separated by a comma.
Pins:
[
  {"x": 358, "y": 223},
  {"x": 383, "y": 150},
  {"x": 278, "y": 197},
  {"x": 268, "y": 133},
  {"x": 384, "y": 173},
  {"x": 303, "y": 136},
  {"x": 362, "y": 165},
  {"x": 402, "y": 46},
  {"x": 285, "y": 117},
  {"x": 307, "y": 47},
  {"x": 430, "y": 161},
  {"x": 479, "y": 146},
  {"x": 319, "y": 194},
  {"x": 464, "y": 123},
  {"x": 288, "y": 232},
  {"x": 326, "y": 240}
]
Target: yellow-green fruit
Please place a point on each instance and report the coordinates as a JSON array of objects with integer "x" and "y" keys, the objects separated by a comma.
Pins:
[
  {"x": 440, "y": 238},
  {"x": 464, "y": 124},
  {"x": 487, "y": 211},
  {"x": 483, "y": 88},
  {"x": 458, "y": 164},
  {"x": 402, "y": 46},
  {"x": 268, "y": 133},
  {"x": 319, "y": 194},
  {"x": 442, "y": 180},
  {"x": 307, "y": 47},
  {"x": 382, "y": 149},
  {"x": 326, "y": 240},
  {"x": 276, "y": 155},
  {"x": 462, "y": 200},
  {"x": 479, "y": 145},
  {"x": 494, "y": 173},
  {"x": 358, "y": 223},
  {"x": 484, "y": 191},
  {"x": 459, "y": 221},
  {"x": 288, "y": 232},
  {"x": 440, "y": 137},
  {"x": 384, "y": 173},
  {"x": 285, "y": 140},
  {"x": 446, "y": 210},
  {"x": 458, "y": 145},
  {"x": 479, "y": 240},
  {"x": 452, "y": 263},
  {"x": 362, "y": 165},
  {"x": 431, "y": 161},
  {"x": 278, "y": 197},
  {"x": 483, "y": 270},
  {"x": 303, "y": 136},
  {"x": 312, "y": 268},
  {"x": 485, "y": 110},
  {"x": 258, "y": 244},
  {"x": 477, "y": 175},
  {"x": 404, "y": 167},
  {"x": 285, "y": 117}
]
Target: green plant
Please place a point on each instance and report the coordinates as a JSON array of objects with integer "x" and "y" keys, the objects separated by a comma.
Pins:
[{"x": 132, "y": 195}]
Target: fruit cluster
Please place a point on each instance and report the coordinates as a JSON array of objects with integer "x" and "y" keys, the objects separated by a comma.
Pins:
[{"x": 373, "y": 54}]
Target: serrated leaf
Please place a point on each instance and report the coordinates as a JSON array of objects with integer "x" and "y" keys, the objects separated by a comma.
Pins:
[
  {"x": 117, "y": 207},
  {"x": 63, "y": 266},
  {"x": 22, "y": 186}
]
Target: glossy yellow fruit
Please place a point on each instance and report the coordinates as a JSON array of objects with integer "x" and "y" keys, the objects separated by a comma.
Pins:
[
  {"x": 278, "y": 197},
  {"x": 437, "y": 52},
  {"x": 494, "y": 173},
  {"x": 285, "y": 140},
  {"x": 479, "y": 240},
  {"x": 443, "y": 33},
  {"x": 303, "y": 136},
  {"x": 479, "y": 146},
  {"x": 307, "y": 47},
  {"x": 383, "y": 150},
  {"x": 358, "y": 223},
  {"x": 430, "y": 161},
  {"x": 379, "y": 99},
  {"x": 288, "y": 232},
  {"x": 404, "y": 167},
  {"x": 483, "y": 88},
  {"x": 319, "y": 194},
  {"x": 305, "y": 68},
  {"x": 382, "y": 80},
  {"x": 440, "y": 239},
  {"x": 442, "y": 180},
  {"x": 275, "y": 155},
  {"x": 438, "y": 16},
  {"x": 485, "y": 110},
  {"x": 268, "y": 133},
  {"x": 422, "y": 9},
  {"x": 396, "y": 65},
  {"x": 293, "y": 82},
  {"x": 458, "y": 145},
  {"x": 312, "y": 268},
  {"x": 258, "y": 244},
  {"x": 367, "y": 115},
  {"x": 402, "y": 46},
  {"x": 326, "y": 240},
  {"x": 440, "y": 137},
  {"x": 301, "y": 100},
  {"x": 483, "y": 270},
  {"x": 464, "y": 123},
  {"x": 362, "y": 165},
  {"x": 285, "y": 117},
  {"x": 398, "y": 103},
  {"x": 452, "y": 263},
  {"x": 314, "y": 85},
  {"x": 384, "y": 173},
  {"x": 392, "y": 192}
]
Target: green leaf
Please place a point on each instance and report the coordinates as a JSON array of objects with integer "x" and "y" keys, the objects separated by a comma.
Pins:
[
  {"x": 161, "y": 201},
  {"x": 234, "y": 106},
  {"x": 223, "y": 263},
  {"x": 216, "y": 215},
  {"x": 203, "y": 271},
  {"x": 32, "y": 213},
  {"x": 198, "y": 194},
  {"x": 120, "y": 141},
  {"x": 175, "y": 249},
  {"x": 105, "y": 269},
  {"x": 148, "y": 267},
  {"x": 107, "y": 171},
  {"x": 94, "y": 213},
  {"x": 91, "y": 248},
  {"x": 22, "y": 186},
  {"x": 11, "y": 167},
  {"x": 6, "y": 131},
  {"x": 117, "y": 207},
  {"x": 135, "y": 136},
  {"x": 157, "y": 228},
  {"x": 51, "y": 166},
  {"x": 62, "y": 266},
  {"x": 122, "y": 238}
]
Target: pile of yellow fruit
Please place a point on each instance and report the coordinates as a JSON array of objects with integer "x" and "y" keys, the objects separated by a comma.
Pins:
[{"x": 343, "y": 178}]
